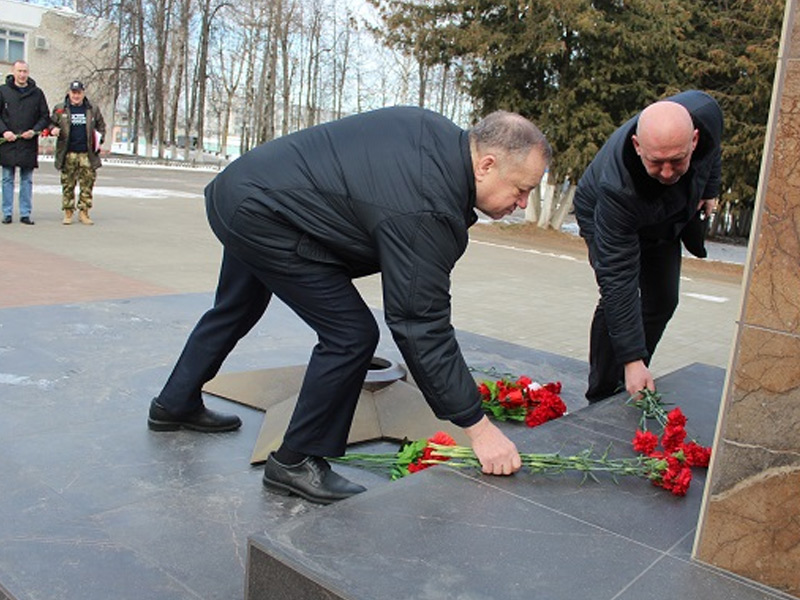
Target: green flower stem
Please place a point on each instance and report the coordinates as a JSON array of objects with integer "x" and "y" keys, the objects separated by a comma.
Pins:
[
  {"x": 544, "y": 463},
  {"x": 652, "y": 407}
]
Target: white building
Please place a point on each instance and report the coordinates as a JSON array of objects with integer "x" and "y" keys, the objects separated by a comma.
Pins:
[{"x": 59, "y": 46}]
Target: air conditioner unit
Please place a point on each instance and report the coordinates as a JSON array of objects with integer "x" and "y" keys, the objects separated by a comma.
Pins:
[{"x": 41, "y": 43}]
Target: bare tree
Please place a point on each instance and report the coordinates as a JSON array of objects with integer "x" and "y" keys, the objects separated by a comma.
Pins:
[
  {"x": 258, "y": 67},
  {"x": 254, "y": 20},
  {"x": 314, "y": 36},
  {"x": 179, "y": 52},
  {"x": 208, "y": 11},
  {"x": 142, "y": 102},
  {"x": 270, "y": 72},
  {"x": 289, "y": 13},
  {"x": 161, "y": 27},
  {"x": 341, "y": 58},
  {"x": 230, "y": 64}
]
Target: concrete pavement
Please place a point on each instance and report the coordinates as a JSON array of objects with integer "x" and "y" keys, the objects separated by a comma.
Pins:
[{"x": 151, "y": 238}]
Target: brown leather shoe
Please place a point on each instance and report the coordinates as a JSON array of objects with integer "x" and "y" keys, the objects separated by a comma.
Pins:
[{"x": 68, "y": 212}]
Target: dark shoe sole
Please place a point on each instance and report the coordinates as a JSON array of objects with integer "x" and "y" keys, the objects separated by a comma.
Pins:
[
  {"x": 285, "y": 490},
  {"x": 154, "y": 425}
]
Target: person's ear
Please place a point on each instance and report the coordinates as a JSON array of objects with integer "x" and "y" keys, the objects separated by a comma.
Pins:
[
  {"x": 635, "y": 141},
  {"x": 485, "y": 164}
]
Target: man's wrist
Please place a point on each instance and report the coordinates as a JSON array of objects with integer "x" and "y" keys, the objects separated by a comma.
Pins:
[{"x": 474, "y": 431}]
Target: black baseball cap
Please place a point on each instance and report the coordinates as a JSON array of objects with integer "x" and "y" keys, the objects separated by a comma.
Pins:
[{"x": 76, "y": 86}]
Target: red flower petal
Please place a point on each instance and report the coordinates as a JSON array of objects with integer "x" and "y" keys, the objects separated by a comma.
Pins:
[{"x": 645, "y": 442}]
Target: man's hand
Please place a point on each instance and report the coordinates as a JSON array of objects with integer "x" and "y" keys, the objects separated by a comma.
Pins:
[
  {"x": 26, "y": 135},
  {"x": 638, "y": 378},
  {"x": 498, "y": 454},
  {"x": 9, "y": 136},
  {"x": 55, "y": 131},
  {"x": 708, "y": 206}
]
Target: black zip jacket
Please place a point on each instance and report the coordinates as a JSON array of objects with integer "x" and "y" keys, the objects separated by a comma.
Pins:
[
  {"x": 389, "y": 191},
  {"x": 621, "y": 209},
  {"x": 22, "y": 109}
]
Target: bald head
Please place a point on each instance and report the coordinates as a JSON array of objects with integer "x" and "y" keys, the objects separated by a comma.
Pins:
[
  {"x": 665, "y": 139},
  {"x": 664, "y": 124}
]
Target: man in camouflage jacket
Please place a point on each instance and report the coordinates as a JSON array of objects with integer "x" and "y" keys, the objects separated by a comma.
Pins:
[{"x": 80, "y": 128}]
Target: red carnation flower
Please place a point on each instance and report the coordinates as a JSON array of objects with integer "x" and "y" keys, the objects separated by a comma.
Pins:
[
  {"x": 547, "y": 406},
  {"x": 428, "y": 453},
  {"x": 513, "y": 399},
  {"x": 697, "y": 455},
  {"x": 677, "y": 481},
  {"x": 676, "y": 417},
  {"x": 553, "y": 387},
  {"x": 524, "y": 381},
  {"x": 645, "y": 442},
  {"x": 441, "y": 438},
  {"x": 673, "y": 437}
]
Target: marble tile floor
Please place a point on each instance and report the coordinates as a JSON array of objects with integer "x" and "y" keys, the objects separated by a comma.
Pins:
[
  {"x": 95, "y": 506},
  {"x": 449, "y": 534}
]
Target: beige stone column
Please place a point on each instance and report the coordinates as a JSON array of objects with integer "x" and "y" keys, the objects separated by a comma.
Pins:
[{"x": 750, "y": 522}]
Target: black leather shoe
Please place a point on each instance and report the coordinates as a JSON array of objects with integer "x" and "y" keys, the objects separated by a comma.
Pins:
[
  {"x": 25, "y": 221},
  {"x": 312, "y": 479},
  {"x": 204, "y": 419},
  {"x": 7, "y": 220}
]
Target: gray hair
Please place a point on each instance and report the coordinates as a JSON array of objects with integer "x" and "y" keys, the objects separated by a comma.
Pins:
[{"x": 511, "y": 134}]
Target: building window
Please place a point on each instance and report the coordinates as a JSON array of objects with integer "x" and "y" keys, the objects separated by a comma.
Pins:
[{"x": 12, "y": 46}]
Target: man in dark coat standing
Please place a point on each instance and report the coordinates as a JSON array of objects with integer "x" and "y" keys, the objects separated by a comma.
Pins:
[
  {"x": 23, "y": 116},
  {"x": 390, "y": 191},
  {"x": 652, "y": 185}
]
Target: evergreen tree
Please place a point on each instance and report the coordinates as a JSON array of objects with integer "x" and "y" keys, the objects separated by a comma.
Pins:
[
  {"x": 580, "y": 68},
  {"x": 732, "y": 55}
]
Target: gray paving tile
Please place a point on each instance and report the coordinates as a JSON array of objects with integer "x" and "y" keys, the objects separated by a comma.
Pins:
[{"x": 671, "y": 578}]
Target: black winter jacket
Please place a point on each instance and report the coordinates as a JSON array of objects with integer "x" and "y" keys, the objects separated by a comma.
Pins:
[
  {"x": 621, "y": 209},
  {"x": 389, "y": 191},
  {"x": 21, "y": 109}
]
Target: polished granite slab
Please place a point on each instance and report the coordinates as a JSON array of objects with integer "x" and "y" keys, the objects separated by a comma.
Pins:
[
  {"x": 445, "y": 533},
  {"x": 96, "y": 506}
]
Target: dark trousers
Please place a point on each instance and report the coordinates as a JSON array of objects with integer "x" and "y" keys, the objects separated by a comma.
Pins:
[
  {"x": 659, "y": 282},
  {"x": 326, "y": 299}
]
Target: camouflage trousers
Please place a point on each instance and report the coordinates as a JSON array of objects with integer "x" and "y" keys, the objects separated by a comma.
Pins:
[{"x": 77, "y": 170}]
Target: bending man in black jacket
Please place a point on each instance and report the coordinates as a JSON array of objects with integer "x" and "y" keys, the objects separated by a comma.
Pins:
[
  {"x": 390, "y": 191},
  {"x": 652, "y": 184}
]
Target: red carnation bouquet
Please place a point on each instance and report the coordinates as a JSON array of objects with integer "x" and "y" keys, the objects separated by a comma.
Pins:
[
  {"x": 668, "y": 467},
  {"x": 522, "y": 399},
  {"x": 440, "y": 448},
  {"x": 679, "y": 454}
]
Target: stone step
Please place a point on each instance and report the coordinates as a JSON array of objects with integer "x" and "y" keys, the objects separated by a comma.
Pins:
[{"x": 448, "y": 533}]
